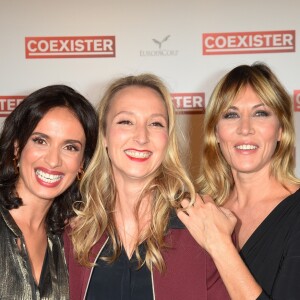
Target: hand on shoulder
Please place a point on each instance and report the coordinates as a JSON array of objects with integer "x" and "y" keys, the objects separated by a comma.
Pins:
[{"x": 209, "y": 224}]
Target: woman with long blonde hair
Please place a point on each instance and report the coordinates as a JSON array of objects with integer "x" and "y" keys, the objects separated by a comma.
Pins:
[
  {"x": 248, "y": 169},
  {"x": 126, "y": 241}
]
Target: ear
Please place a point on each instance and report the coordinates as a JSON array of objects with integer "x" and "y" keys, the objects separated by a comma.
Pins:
[
  {"x": 81, "y": 166},
  {"x": 279, "y": 134},
  {"x": 16, "y": 148},
  {"x": 217, "y": 135},
  {"x": 104, "y": 141}
]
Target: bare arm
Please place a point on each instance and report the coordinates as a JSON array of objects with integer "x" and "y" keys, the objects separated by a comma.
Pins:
[{"x": 212, "y": 228}]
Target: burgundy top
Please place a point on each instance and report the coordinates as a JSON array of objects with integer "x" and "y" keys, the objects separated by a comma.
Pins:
[{"x": 190, "y": 274}]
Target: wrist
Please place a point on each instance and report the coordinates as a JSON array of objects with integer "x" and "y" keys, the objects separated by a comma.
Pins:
[{"x": 221, "y": 249}]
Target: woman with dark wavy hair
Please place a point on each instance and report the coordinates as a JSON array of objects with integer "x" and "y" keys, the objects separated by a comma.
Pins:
[{"x": 45, "y": 146}]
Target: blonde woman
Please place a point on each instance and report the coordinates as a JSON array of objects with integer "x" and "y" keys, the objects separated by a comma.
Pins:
[
  {"x": 127, "y": 240},
  {"x": 248, "y": 168}
]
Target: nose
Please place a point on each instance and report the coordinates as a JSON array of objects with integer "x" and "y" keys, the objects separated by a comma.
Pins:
[
  {"x": 53, "y": 158},
  {"x": 245, "y": 126},
  {"x": 141, "y": 134}
]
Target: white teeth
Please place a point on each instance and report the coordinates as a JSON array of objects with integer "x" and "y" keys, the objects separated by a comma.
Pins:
[
  {"x": 138, "y": 154},
  {"x": 49, "y": 178},
  {"x": 246, "y": 147}
]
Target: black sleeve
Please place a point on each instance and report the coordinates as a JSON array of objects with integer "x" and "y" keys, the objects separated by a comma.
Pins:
[{"x": 287, "y": 283}]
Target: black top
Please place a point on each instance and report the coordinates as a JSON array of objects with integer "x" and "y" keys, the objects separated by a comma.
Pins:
[
  {"x": 272, "y": 253},
  {"x": 43, "y": 274},
  {"x": 122, "y": 280}
]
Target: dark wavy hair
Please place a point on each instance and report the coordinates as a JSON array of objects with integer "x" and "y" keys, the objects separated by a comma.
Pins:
[{"x": 19, "y": 126}]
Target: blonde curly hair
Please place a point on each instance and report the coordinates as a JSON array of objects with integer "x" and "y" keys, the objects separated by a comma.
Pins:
[{"x": 167, "y": 186}]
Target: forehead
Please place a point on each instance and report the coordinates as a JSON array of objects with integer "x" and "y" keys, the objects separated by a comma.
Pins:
[
  {"x": 59, "y": 113},
  {"x": 137, "y": 97},
  {"x": 60, "y": 119},
  {"x": 247, "y": 95}
]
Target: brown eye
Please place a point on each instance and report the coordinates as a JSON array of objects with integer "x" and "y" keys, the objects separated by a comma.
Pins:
[
  {"x": 72, "y": 148},
  {"x": 39, "y": 140}
]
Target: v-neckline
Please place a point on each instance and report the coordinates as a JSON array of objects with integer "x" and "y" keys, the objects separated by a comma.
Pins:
[{"x": 269, "y": 218}]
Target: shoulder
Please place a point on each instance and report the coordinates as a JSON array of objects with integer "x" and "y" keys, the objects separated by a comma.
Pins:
[
  {"x": 179, "y": 237},
  {"x": 290, "y": 206},
  {"x": 290, "y": 219},
  {"x": 69, "y": 249},
  {"x": 182, "y": 247},
  {"x": 174, "y": 221}
]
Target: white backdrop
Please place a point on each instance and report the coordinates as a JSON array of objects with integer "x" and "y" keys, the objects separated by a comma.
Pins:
[{"x": 164, "y": 37}]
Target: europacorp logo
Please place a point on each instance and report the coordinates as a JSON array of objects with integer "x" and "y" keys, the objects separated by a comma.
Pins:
[{"x": 160, "y": 47}]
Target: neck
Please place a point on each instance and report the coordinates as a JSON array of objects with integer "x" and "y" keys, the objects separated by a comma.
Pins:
[
  {"x": 130, "y": 206},
  {"x": 31, "y": 215},
  {"x": 129, "y": 192},
  {"x": 256, "y": 187},
  {"x": 132, "y": 215}
]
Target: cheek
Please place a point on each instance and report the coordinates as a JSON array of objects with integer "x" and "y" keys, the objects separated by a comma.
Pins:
[
  {"x": 74, "y": 163},
  {"x": 220, "y": 132},
  {"x": 223, "y": 134},
  {"x": 271, "y": 133},
  {"x": 29, "y": 154},
  {"x": 162, "y": 140},
  {"x": 224, "y": 138},
  {"x": 116, "y": 137},
  {"x": 115, "y": 141}
]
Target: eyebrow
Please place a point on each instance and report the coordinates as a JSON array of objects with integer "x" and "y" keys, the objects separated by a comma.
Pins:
[
  {"x": 131, "y": 113},
  {"x": 254, "y": 107},
  {"x": 47, "y": 137}
]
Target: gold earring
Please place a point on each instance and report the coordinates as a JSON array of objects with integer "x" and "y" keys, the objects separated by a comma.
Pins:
[
  {"x": 16, "y": 165},
  {"x": 80, "y": 175}
]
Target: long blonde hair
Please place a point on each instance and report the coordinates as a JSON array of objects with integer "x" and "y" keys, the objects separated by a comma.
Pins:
[
  {"x": 167, "y": 187},
  {"x": 215, "y": 174}
]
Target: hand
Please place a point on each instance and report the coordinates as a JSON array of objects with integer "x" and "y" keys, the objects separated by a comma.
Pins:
[{"x": 210, "y": 225}]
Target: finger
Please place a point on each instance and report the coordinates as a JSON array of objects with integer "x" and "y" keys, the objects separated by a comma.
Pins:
[
  {"x": 225, "y": 210},
  {"x": 199, "y": 198},
  {"x": 183, "y": 217},
  {"x": 228, "y": 213},
  {"x": 185, "y": 203},
  {"x": 207, "y": 198}
]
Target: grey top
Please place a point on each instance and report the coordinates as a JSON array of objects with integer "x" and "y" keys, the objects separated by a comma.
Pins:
[{"x": 17, "y": 281}]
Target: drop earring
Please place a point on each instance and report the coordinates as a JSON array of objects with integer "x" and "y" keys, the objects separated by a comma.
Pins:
[
  {"x": 80, "y": 175},
  {"x": 16, "y": 165}
]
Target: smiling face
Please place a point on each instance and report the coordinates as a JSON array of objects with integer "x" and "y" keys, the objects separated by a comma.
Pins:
[
  {"x": 248, "y": 133},
  {"x": 136, "y": 135},
  {"x": 52, "y": 156}
]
